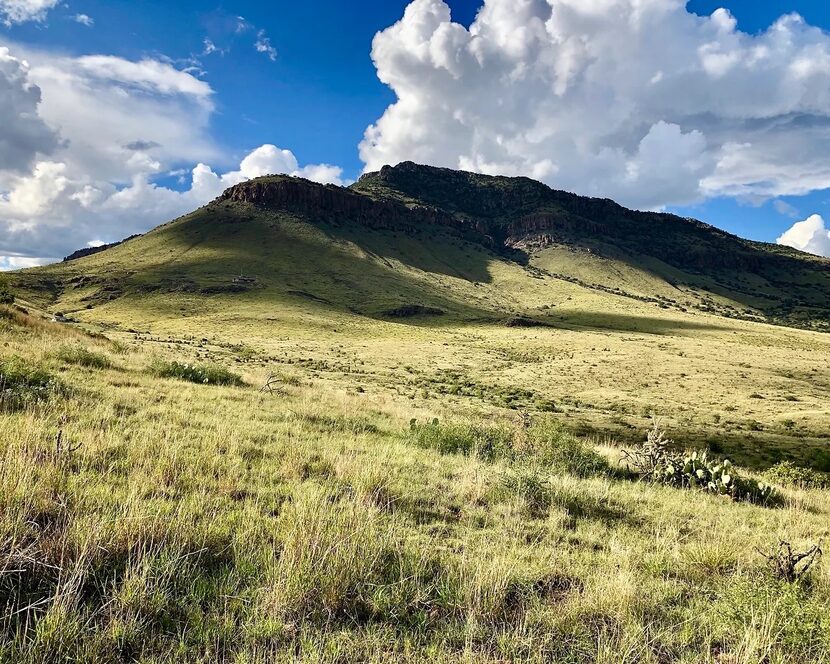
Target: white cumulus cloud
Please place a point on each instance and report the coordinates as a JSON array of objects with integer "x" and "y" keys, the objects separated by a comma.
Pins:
[
  {"x": 52, "y": 212},
  {"x": 639, "y": 100},
  {"x": 84, "y": 140},
  {"x": 20, "y": 11},
  {"x": 811, "y": 235}
]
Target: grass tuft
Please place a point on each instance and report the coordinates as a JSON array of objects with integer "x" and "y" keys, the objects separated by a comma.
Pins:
[
  {"x": 192, "y": 373},
  {"x": 23, "y": 383},
  {"x": 83, "y": 357}
]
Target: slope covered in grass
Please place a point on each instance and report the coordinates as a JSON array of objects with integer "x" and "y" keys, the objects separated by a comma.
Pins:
[
  {"x": 425, "y": 311},
  {"x": 152, "y": 519}
]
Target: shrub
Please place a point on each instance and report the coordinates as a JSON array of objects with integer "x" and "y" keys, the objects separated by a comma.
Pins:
[
  {"x": 656, "y": 461},
  {"x": 545, "y": 441},
  {"x": 786, "y": 472},
  {"x": 6, "y": 296},
  {"x": 791, "y": 567},
  {"x": 485, "y": 442},
  {"x": 202, "y": 374},
  {"x": 83, "y": 357},
  {"x": 22, "y": 384}
]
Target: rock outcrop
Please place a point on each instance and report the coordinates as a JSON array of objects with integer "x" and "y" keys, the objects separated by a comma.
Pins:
[
  {"x": 337, "y": 204},
  {"x": 504, "y": 213}
]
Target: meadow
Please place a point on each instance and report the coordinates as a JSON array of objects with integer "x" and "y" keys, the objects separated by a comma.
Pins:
[
  {"x": 460, "y": 455},
  {"x": 394, "y": 498}
]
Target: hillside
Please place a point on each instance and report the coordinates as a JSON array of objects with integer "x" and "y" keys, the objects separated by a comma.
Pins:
[
  {"x": 393, "y": 423},
  {"x": 519, "y": 220},
  {"x": 779, "y": 283},
  {"x": 498, "y": 290}
]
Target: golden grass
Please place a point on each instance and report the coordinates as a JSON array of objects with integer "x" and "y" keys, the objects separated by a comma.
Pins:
[{"x": 178, "y": 522}]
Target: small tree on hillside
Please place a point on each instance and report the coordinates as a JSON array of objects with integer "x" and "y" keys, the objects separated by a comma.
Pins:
[{"x": 6, "y": 296}]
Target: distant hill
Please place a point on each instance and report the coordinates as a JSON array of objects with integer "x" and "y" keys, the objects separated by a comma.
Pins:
[
  {"x": 290, "y": 233},
  {"x": 89, "y": 251}
]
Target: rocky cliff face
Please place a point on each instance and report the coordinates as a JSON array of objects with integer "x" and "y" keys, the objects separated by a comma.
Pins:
[
  {"x": 330, "y": 203},
  {"x": 504, "y": 212}
]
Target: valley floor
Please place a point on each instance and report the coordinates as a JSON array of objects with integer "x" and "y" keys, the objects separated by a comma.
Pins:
[{"x": 150, "y": 519}]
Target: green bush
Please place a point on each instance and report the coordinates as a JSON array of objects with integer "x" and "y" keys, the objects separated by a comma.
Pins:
[
  {"x": 202, "y": 374},
  {"x": 6, "y": 296},
  {"x": 485, "y": 442},
  {"x": 83, "y": 357},
  {"x": 545, "y": 441},
  {"x": 786, "y": 472},
  {"x": 22, "y": 384}
]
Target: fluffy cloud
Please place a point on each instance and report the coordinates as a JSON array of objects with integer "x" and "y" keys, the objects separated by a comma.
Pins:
[
  {"x": 23, "y": 134},
  {"x": 811, "y": 235},
  {"x": 52, "y": 212},
  {"x": 80, "y": 166},
  {"x": 100, "y": 104},
  {"x": 20, "y": 11},
  {"x": 639, "y": 100}
]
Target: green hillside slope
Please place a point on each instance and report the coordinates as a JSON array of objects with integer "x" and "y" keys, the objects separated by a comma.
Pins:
[
  {"x": 312, "y": 424},
  {"x": 391, "y": 292}
]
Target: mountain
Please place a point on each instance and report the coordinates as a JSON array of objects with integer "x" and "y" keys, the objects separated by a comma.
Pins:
[
  {"x": 518, "y": 213},
  {"x": 423, "y": 281},
  {"x": 668, "y": 260}
]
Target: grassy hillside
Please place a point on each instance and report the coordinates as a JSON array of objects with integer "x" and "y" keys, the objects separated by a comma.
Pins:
[
  {"x": 775, "y": 283},
  {"x": 614, "y": 343},
  {"x": 444, "y": 466},
  {"x": 147, "y": 518}
]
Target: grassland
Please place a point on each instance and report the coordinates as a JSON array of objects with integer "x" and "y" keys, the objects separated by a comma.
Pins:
[
  {"x": 158, "y": 520},
  {"x": 437, "y": 474},
  {"x": 615, "y": 344}
]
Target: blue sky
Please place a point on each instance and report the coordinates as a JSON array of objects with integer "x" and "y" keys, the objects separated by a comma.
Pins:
[{"x": 317, "y": 92}]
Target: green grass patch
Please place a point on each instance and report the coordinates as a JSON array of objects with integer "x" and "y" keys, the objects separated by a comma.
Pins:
[
  {"x": 540, "y": 442},
  {"x": 547, "y": 442},
  {"x": 23, "y": 383},
  {"x": 485, "y": 442},
  {"x": 83, "y": 357},
  {"x": 194, "y": 373}
]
